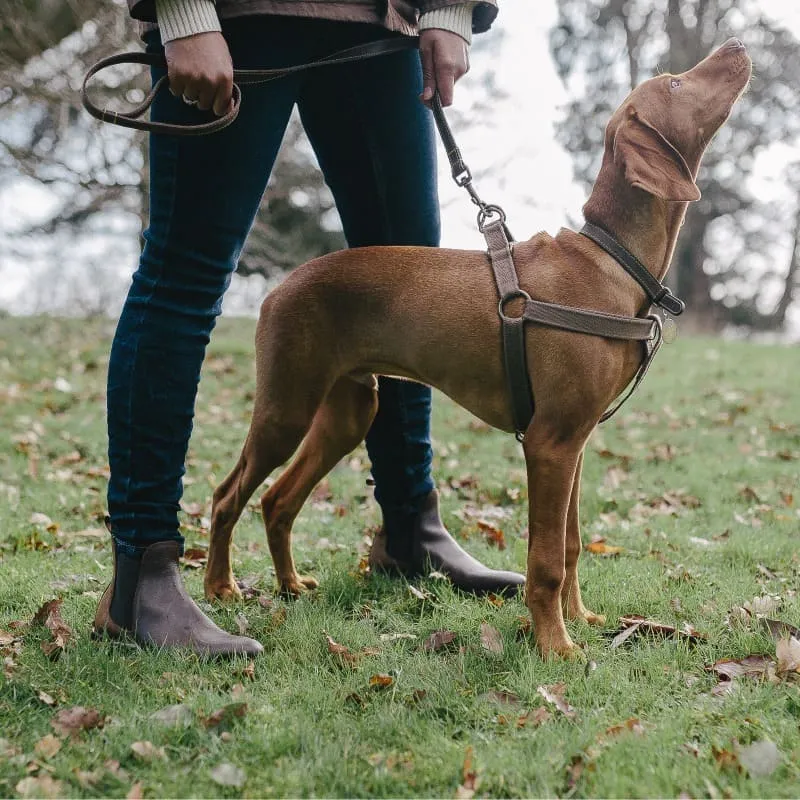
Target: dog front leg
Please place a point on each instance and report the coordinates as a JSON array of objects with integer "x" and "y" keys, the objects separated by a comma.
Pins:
[
  {"x": 551, "y": 472},
  {"x": 571, "y": 601}
]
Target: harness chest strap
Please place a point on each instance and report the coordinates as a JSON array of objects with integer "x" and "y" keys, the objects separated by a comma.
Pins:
[{"x": 553, "y": 315}]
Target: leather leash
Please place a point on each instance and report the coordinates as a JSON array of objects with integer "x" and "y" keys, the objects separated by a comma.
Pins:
[
  {"x": 241, "y": 77},
  {"x": 491, "y": 223}
]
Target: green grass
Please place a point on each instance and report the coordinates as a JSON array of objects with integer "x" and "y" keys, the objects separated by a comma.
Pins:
[{"x": 716, "y": 421}]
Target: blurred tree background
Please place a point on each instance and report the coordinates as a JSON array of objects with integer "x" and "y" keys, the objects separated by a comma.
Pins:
[
  {"x": 725, "y": 265},
  {"x": 85, "y": 180}
]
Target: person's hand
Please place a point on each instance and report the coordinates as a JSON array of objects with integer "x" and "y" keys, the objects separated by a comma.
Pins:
[
  {"x": 445, "y": 59},
  {"x": 200, "y": 69}
]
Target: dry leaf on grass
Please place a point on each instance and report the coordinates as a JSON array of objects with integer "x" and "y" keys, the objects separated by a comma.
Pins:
[
  {"x": 380, "y": 681},
  {"x": 46, "y": 698},
  {"x": 419, "y": 594},
  {"x": 599, "y": 547},
  {"x": 47, "y": 746},
  {"x": 554, "y": 694},
  {"x": 491, "y": 639},
  {"x": 136, "y": 792},
  {"x": 227, "y": 774},
  {"x": 534, "y": 717},
  {"x": 500, "y": 696},
  {"x": 634, "y": 624},
  {"x": 345, "y": 655},
  {"x": 71, "y": 721},
  {"x": 49, "y": 615},
  {"x": 225, "y": 716},
  {"x": 40, "y": 786},
  {"x": 493, "y": 535},
  {"x": 147, "y": 751},
  {"x": 439, "y": 639},
  {"x": 469, "y": 778},
  {"x": 787, "y": 652}
]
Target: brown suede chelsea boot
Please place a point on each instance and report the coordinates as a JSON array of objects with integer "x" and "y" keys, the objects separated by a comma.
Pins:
[
  {"x": 418, "y": 543},
  {"x": 146, "y": 599}
]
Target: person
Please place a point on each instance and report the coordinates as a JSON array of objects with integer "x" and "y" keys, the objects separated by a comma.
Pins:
[{"x": 375, "y": 144}]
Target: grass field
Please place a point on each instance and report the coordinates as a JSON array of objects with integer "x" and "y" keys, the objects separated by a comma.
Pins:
[{"x": 693, "y": 487}]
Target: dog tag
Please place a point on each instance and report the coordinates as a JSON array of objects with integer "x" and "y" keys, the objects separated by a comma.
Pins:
[{"x": 669, "y": 330}]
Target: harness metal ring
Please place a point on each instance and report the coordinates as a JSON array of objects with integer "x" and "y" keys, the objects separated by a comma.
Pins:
[
  {"x": 510, "y": 296},
  {"x": 658, "y": 328}
]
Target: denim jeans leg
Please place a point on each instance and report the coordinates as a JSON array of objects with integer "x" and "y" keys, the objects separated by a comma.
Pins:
[
  {"x": 204, "y": 194},
  {"x": 379, "y": 160}
]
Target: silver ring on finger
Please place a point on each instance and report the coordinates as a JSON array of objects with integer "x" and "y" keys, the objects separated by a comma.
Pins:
[{"x": 189, "y": 101}]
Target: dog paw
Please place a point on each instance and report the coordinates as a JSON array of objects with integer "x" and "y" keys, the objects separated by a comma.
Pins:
[
  {"x": 222, "y": 592},
  {"x": 297, "y": 585},
  {"x": 593, "y": 619}
]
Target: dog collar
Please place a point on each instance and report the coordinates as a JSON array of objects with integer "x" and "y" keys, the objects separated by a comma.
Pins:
[{"x": 656, "y": 292}]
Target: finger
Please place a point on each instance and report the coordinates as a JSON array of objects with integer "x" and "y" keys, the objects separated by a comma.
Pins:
[
  {"x": 428, "y": 74},
  {"x": 205, "y": 96},
  {"x": 445, "y": 81},
  {"x": 223, "y": 97}
]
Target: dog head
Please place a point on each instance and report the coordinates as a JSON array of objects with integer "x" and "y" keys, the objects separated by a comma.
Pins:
[{"x": 660, "y": 132}]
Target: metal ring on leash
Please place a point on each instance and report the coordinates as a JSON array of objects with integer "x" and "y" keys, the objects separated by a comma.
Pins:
[{"x": 487, "y": 213}]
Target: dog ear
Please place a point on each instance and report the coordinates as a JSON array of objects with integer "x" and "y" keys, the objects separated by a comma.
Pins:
[{"x": 651, "y": 163}]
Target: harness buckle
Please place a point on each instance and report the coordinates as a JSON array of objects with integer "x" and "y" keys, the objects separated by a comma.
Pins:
[{"x": 674, "y": 305}]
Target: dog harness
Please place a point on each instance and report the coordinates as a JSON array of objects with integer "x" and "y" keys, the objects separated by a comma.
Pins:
[{"x": 491, "y": 222}]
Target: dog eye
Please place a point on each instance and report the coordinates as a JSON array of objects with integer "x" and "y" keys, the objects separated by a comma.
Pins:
[{"x": 674, "y": 83}]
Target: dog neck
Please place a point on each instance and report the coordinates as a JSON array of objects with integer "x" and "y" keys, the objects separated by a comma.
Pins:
[{"x": 645, "y": 225}]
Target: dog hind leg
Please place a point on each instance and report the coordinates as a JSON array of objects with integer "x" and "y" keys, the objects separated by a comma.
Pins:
[
  {"x": 270, "y": 442},
  {"x": 340, "y": 425}
]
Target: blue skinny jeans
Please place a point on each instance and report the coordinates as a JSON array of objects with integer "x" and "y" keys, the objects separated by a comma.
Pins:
[{"x": 375, "y": 144}]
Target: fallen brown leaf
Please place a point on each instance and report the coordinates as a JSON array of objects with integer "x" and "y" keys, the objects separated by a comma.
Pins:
[
  {"x": 71, "y": 721},
  {"x": 493, "y": 535},
  {"x": 599, "y": 547},
  {"x": 554, "y": 694},
  {"x": 500, "y": 696},
  {"x": 47, "y": 746},
  {"x": 491, "y": 639},
  {"x": 751, "y": 666},
  {"x": 136, "y": 792},
  {"x": 438, "y": 639},
  {"x": 469, "y": 778},
  {"x": 227, "y": 774},
  {"x": 632, "y": 725},
  {"x": 40, "y": 786},
  {"x": 534, "y": 717},
  {"x": 49, "y": 615},
  {"x": 787, "y": 652},
  {"x": 640, "y": 624},
  {"x": 224, "y": 717},
  {"x": 147, "y": 751},
  {"x": 380, "y": 681}
]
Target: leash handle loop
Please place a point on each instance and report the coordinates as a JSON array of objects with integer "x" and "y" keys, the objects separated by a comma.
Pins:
[{"x": 241, "y": 77}]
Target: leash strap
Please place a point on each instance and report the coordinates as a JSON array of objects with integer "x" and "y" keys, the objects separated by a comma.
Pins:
[
  {"x": 241, "y": 77},
  {"x": 655, "y": 290}
]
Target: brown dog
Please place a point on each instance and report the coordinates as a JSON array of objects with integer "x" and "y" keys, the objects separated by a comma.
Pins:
[{"x": 430, "y": 315}]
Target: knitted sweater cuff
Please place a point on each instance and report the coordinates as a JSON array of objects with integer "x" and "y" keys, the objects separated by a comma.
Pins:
[
  {"x": 455, "y": 18},
  {"x": 178, "y": 19}
]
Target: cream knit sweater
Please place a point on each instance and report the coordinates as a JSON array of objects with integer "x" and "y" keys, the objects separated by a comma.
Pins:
[{"x": 180, "y": 18}]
